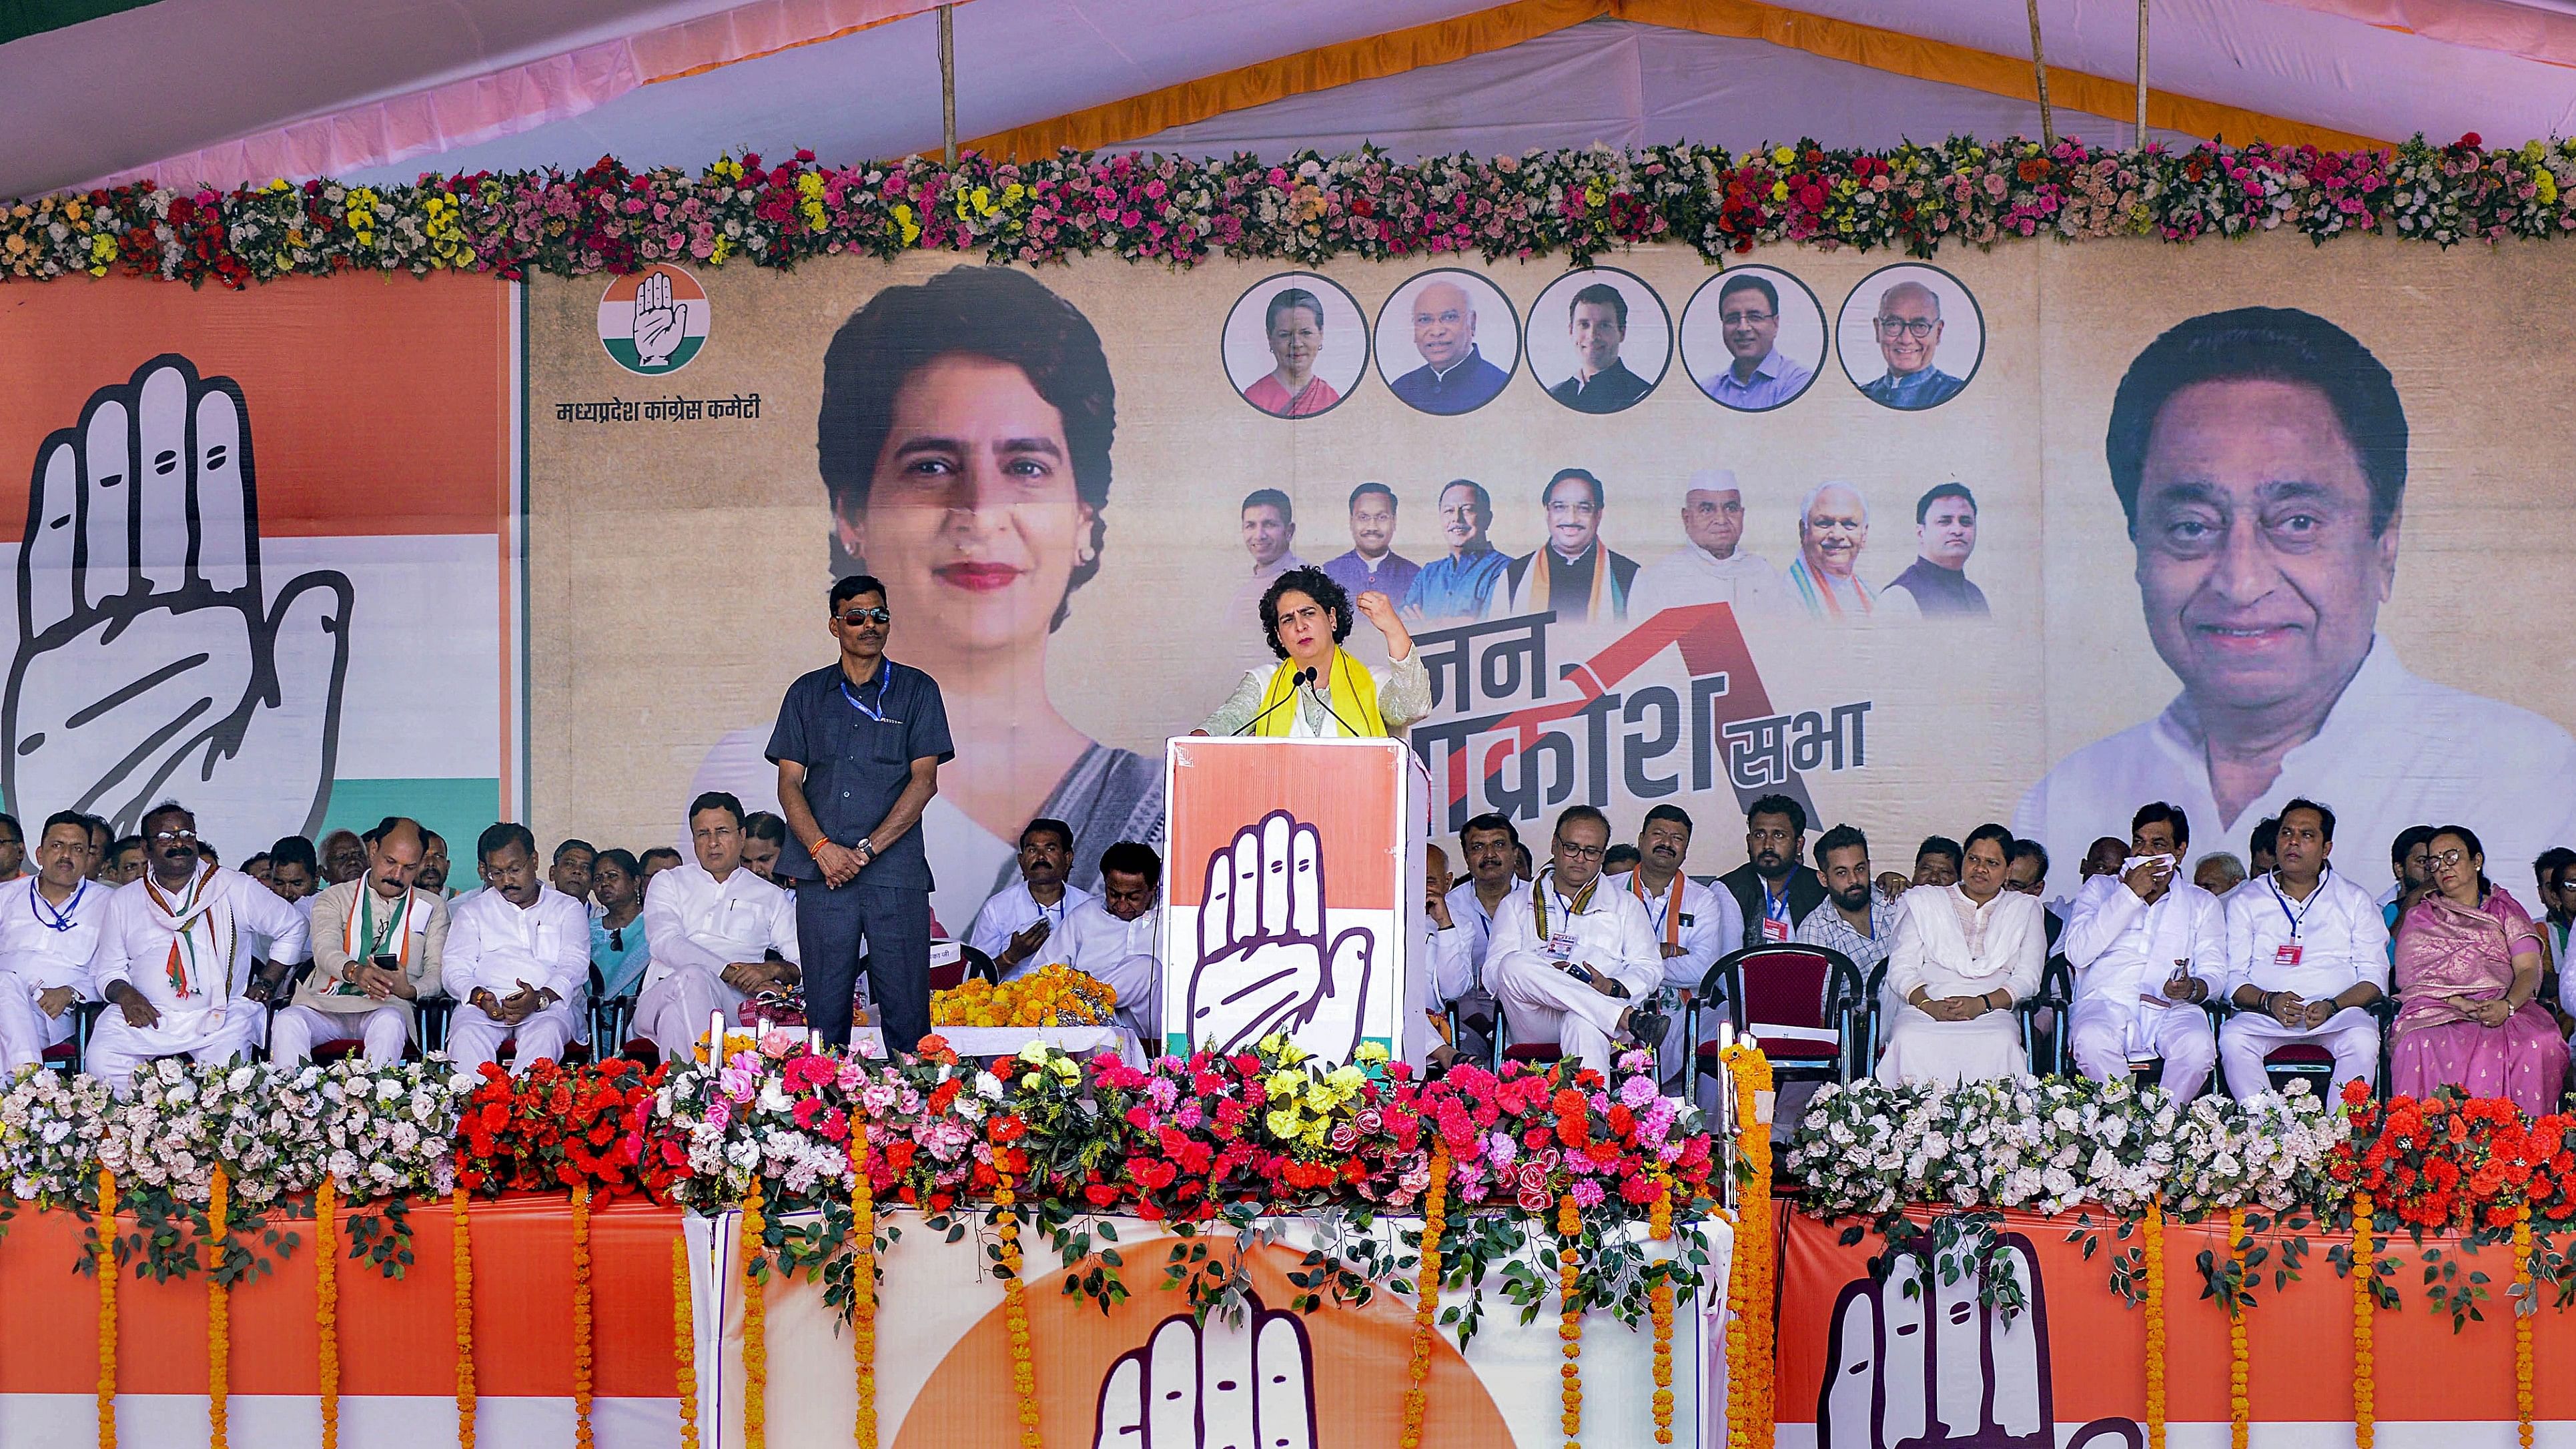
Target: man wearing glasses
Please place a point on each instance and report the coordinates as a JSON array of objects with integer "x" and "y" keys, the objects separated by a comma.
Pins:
[
  {"x": 1574, "y": 960},
  {"x": 1759, "y": 378},
  {"x": 170, "y": 957},
  {"x": 1908, "y": 328},
  {"x": 858, "y": 747}
]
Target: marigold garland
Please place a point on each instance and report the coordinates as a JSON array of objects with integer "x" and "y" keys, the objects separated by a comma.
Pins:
[
  {"x": 1659, "y": 1303},
  {"x": 1426, "y": 1300},
  {"x": 461, "y": 1240},
  {"x": 2239, "y": 1415},
  {"x": 581, "y": 1325},
  {"x": 684, "y": 1342},
  {"x": 219, "y": 1316},
  {"x": 106, "y": 1259},
  {"x": 755, "y": 1324},
  {"x": 1751, "y": 1285},
  {"x": 326, "y": 1304},
  {"x": 863, "y": 1296},
  {"x": 1015, "y": 1304},
  {"x": 1569, "y": 1233},
  {"x": 2153, "y": 1250},
  {"x": 2524, "y": 1307},
  {"x": 2365, "y": 1368}
]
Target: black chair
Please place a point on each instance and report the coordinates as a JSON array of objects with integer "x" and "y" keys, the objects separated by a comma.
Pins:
[{"x": 1809, "y": 989}]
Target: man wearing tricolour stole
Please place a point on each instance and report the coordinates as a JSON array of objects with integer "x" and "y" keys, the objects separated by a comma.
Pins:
[
  {"x": 377, "y": 948},
  {"x": 170, "y": 957},
  {"x": 48, "y": 932}
]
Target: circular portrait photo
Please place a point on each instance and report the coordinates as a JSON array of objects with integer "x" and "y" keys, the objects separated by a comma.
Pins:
[
  {"x": 1599, "y": 340},
  {"x": 1753, "y": 338},
  {"x": 1447, "y": 341},
  {"x": 1910, "y": 337},
  {"x": 1295, "y": 345}
]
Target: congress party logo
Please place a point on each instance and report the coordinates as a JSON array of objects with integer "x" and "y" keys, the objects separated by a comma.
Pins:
[{"x": 655, "y": 321}]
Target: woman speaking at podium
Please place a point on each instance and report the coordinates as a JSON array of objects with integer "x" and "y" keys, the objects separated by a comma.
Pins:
[{"x": 1318, "y": 691}]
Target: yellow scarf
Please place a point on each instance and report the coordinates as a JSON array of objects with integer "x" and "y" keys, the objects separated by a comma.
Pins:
[
  {"x": 1544, "y": 885},
  {"x": 1354, "y": 698}
]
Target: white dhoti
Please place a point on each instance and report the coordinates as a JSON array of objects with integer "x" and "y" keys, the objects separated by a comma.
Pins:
[
  {"x": 25, "y": 1030},
  {"x": 1922, "y": 1051},
  {"x": 2352, "y": 1034},
  {"x": 2105, "y": 1036},
  {"x": 1543, "y": 1003},
  {"x": 117, "y": 1047},
  {"x": 673, "y": 1012},
  {"x": 474, "y": 1038},
  {"x": 380, "y": 1033}
]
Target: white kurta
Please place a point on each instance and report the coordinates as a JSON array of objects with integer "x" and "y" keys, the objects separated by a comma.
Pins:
[
  {"x": 204, "y": 1013},
  {"x": 1692, "y": 575},
  {"x": 1120, "y": 955},
  {"x": 497, "y": 946},
  {"x": 1705, "y": 923},
  {"x": 1609, "y": 936},
  {"x": 1949, "y": 946},
  {"x": 1444, "y": 975},
  {"x": 43, "y": 945},
  {"x": 696, "y": 926},
  {"x": 2123, "y": 950},
  {"x": 2341, "y": 940},
  {"x": 1011, "y": 910}
]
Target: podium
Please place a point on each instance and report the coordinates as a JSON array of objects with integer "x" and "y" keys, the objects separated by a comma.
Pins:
[{"x": 1292, "y": 896}]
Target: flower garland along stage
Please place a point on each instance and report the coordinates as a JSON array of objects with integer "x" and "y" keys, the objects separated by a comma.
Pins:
[
  {"x": 1305, "y": 209},
  {"x": 2111, "y": 1195},
  {"x": 1541, "y": 1176}
]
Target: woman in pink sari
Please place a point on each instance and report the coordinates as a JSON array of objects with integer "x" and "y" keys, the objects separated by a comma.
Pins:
[{"x": 2468, "y": 968}]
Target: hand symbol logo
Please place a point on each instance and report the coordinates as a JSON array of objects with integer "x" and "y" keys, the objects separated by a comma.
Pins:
[
  {"x": 151, "y": 660},
  {"x": 1934, "y": 1369},
  {"x": 1264, "y": 965},
  {"x": 1244, "y": 1385},
  {"x": 660, "y": 323}
]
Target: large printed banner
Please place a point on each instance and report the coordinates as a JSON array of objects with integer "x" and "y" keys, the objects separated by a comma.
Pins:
[
  {"x": 265, "y": 554},
  {"x": 1881, "y": 1360},
  {"x": 1147, "y": 1374},
  {"x": 1920, "y": 545}
]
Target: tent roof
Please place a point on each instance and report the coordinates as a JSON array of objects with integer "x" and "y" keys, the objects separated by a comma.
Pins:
[{"x": 223, "y": 92}]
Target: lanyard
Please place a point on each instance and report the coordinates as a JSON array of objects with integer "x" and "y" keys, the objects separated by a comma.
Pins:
[
  {"x": 1542, "y": 890},
  {"x": 885, "y": 677},
  {"x": 1662, "y": 917},
  {"x": 1774, "y": 908},
  {"x": 2301, "y": 918},
  {"x": 57, "y": 921}
]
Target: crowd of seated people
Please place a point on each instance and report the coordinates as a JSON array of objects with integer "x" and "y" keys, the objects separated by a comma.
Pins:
[{"x": 2188, "y": 970}]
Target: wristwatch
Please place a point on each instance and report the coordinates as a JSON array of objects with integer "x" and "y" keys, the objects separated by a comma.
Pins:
[{"x": 867, "y": 850}]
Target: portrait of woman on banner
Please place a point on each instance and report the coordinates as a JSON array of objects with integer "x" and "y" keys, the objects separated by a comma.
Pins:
[
  {"x": 1318, "y": 690},
  {"x": 964, "y": 442},
  {"x": 1292, "y": 324}
]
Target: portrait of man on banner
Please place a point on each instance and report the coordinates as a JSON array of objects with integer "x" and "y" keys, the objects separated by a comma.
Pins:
[{"x": 2260, "y": 456}]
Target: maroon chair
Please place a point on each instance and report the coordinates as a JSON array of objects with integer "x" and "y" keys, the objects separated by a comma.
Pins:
[{"x": 1810, "y": 988}]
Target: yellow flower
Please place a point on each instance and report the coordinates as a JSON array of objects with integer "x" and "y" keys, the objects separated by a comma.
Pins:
[
  {"x": 903, "y": 218},
  {"x": 1284, "y": 1123},
  {"x": 2547, "y": 187},
  {"x": 1779, "y": 191},
  {"x": 810, "y": 184},
  {"x": 1371, "y": 1053},
  {"x": 1783, "y": 155},
  {"x": 1013, "y": 194}
]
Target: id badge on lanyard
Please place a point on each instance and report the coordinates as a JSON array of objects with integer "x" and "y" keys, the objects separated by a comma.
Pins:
[{"x": 1775, "y": 918}]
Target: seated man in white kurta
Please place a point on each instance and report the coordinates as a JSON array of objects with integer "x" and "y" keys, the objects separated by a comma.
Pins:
[
  {"x": 2147, "y": 948},
  {"x": 1012, "y": 927},
  {"x": 48, "y": 933},
  {"x": 1693, "y": 924},
  {"x": 1573, "y": 961},
  {"x": 718, "y": 932},
  {"x": 518, "y": 958},
  {"x": 1448, "y": 962},
  {"x": 170, "y": 956},
  {"x": 1964, "y": 954},
  {"x": 1116, "y": 937},
  {"x": 2307, "y": 952}
]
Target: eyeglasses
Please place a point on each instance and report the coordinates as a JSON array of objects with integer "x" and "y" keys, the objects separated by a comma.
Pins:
[
  {"x": 2449, "y": 857},
  {"x": 1919, "y": 327},
  {"x": 1745, "y": 319},
  {"x": 174, "y": 837},
  {"x": 853, "y": 618},
  {"x": 1583, "y": 852}
]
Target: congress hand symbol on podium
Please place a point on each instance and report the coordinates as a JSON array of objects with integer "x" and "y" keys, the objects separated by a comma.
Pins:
[
  {"x": 151, "y": 660},
  {"x": 1213, "y": 1386},
  {"x": 660, "y": 323},
  {"x": 1936, "y": 1369},
  {"x": 1264, "y": 964}
]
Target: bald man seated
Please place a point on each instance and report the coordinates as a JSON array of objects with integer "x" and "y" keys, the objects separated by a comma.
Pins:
[{"x": 377, "y": 939}]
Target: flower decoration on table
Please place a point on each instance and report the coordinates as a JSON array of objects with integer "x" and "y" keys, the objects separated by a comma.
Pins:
[
  {"x": 554, "y": 1126},
  {"x": 2452, "y": 1163},
  {"x": 49, "y": 1130},
  {"x": 1305, "y": 208},
  {"x": 1052, "y": 995}
]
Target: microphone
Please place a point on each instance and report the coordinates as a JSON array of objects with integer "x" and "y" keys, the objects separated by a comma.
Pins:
[
  {"x": 1326, "y": 696},
  {"x": 1301, "y": 677}
]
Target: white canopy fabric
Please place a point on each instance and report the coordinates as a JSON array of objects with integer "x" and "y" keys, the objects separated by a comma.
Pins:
[{"x": 226, "y": 92}]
